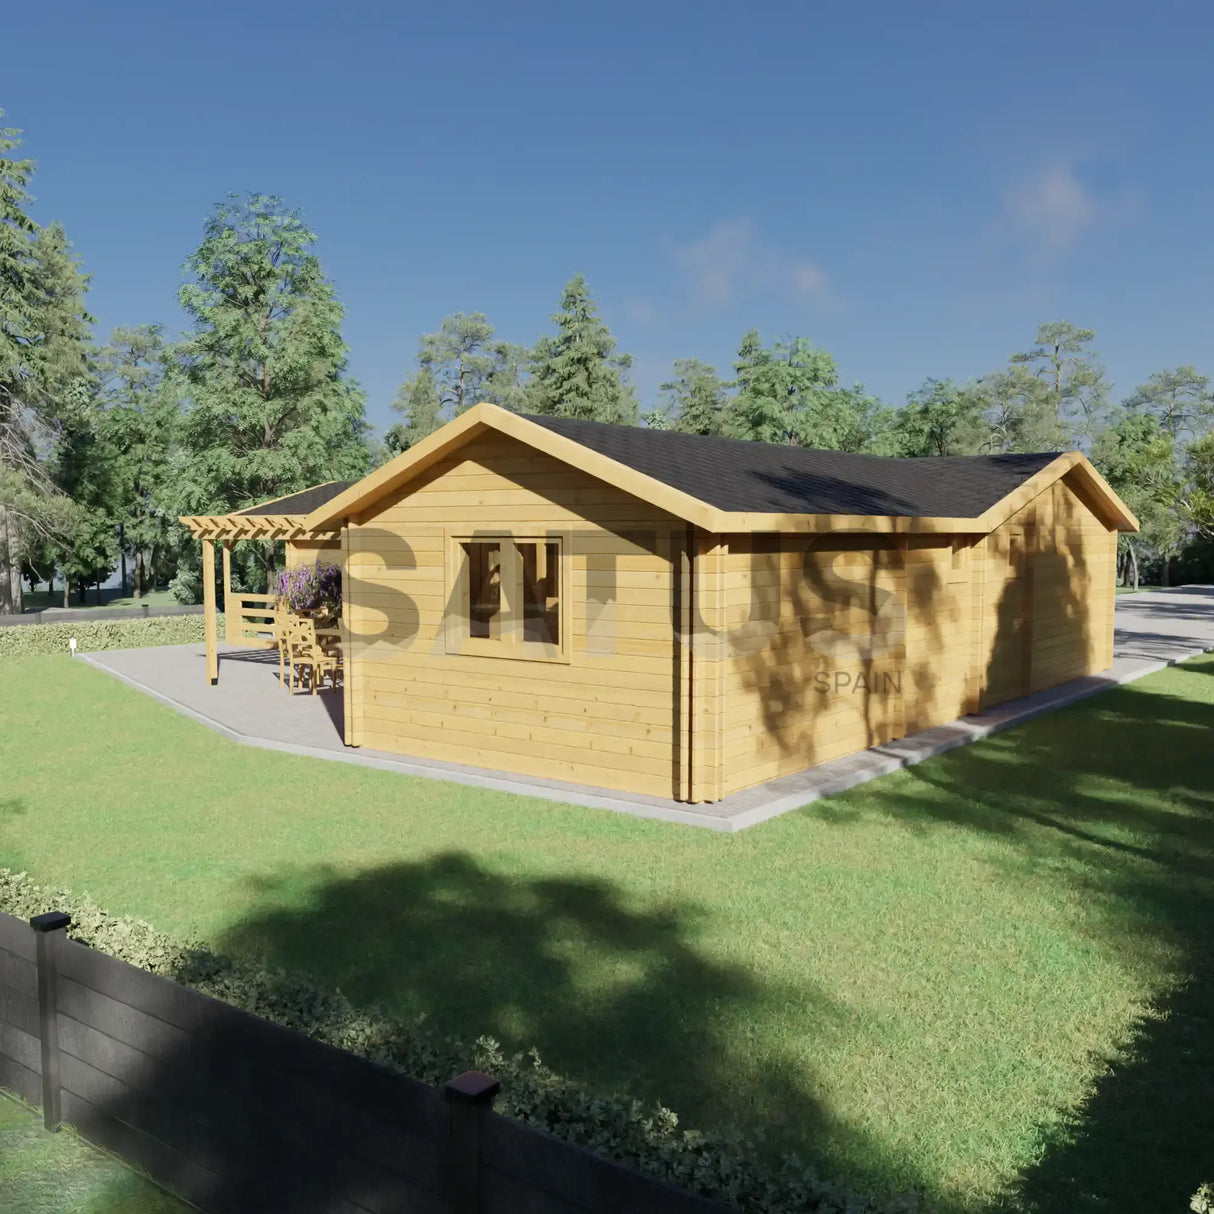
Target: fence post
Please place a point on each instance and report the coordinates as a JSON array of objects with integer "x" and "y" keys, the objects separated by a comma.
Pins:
[
  {"x": 470, "y": 1097},
  {"x": 48, "y": 929}
]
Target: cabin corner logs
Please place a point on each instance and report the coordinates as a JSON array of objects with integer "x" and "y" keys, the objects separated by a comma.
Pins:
[{"x": 697, "y": 664}]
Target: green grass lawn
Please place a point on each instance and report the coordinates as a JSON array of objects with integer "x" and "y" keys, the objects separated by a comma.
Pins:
[
  {"x": 35, "y": 600},
  {"x": 43, "y": 1173},
  {"x": 989, "y": 975}
]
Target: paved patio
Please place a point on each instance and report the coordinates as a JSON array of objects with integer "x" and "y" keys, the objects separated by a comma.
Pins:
[{"x": 1153, "y": 630}]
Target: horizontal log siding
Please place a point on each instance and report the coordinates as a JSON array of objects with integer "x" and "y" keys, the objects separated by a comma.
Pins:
[
  {"x": 778, "y": 716},
  {"x": 987, "y": 619},
  {"x": 309, "y": 552},
  {"x": 1050, "y": 590},
  {"x": 606, "y": 717}
]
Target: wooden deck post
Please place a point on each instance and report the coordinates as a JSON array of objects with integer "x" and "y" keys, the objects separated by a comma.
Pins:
[
  {"x": 347, "y": 646},
  {"x": 208, "y": 607},
  {"x": 227, "y": 590},
  {"x": 48, "y": 929}
]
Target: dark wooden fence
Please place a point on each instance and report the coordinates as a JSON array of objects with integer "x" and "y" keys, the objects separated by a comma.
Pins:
[
  {"x": 84, "y": 615},
  {"x": 237, "y": 1114}
]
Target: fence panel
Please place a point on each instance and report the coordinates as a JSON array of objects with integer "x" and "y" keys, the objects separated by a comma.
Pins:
[{"x": 237, "y": 1114}]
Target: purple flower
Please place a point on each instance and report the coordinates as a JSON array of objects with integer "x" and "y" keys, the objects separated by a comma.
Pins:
[{"x": 314, "y": 588}]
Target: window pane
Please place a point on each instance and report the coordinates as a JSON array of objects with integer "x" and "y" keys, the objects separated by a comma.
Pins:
[
  {"x": 484, "y": 588},
  {"x": 540, "y": 564}
]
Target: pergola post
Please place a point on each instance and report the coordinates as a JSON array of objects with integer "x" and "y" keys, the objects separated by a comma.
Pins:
[
  {"x": 227, "y": 590},
  {"x": 208, "y": 607}
]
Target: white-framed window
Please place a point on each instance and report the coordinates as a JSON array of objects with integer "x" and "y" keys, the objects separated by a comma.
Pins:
[{"x": 508, "y": 595}]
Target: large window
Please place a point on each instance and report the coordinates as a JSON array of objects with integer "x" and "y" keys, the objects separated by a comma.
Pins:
[{"x": 508, "y": 596}]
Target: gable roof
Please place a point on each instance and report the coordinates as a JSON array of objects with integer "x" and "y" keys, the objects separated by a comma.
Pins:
[
  {"x": 743, "y": 476},
  {"x": 727, "y": 485},
  {"x": 303, "y": 502}
]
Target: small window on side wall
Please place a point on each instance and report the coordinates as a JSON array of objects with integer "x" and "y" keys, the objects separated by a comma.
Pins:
[{"x": 507, "y": 596}]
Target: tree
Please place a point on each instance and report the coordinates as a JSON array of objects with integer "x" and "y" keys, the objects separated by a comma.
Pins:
[
  {"x": 270, "y": 409},
  {"x": 141, "y": 426},
  {"x": 24, "y": 487},
  {"x": 47, "y": 392},
  {"x": 458, "y": 360},
  {"x": 418, "y": 400},
  {"x": 694, "y": 399},
  {"x": 785, "y": 393},
  {"x": 577, "y": 373},
  {"x": 1181, "y": 399},
  {"x": 1075, "y": 381},
  {"x": 940, "y": 418},
  {"x": 506, "y": 385},
  {"x": 862, "y": 422},
  {"x": 1198, "y": 502},
  {"x": 1138, "y": 459},
  {"x": 1019, "y": 412}
]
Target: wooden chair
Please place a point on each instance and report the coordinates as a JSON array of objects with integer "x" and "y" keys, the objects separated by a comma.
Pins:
[
  {"x": 281, "y": 629},
  {"x": 307, "y": 650}
]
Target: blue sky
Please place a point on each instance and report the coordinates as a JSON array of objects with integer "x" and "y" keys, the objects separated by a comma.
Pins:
[{"x": 914, "y": 187}]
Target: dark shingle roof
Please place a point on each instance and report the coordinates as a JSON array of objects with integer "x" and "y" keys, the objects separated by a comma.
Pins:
[
  {"x": 765, "y": 478},
  {"x": 303, "y": 502}
]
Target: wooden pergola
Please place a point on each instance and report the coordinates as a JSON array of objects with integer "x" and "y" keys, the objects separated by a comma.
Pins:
[{"x": 227, "y": 530}]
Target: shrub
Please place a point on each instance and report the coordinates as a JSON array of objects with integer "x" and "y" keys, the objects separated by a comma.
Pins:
[
  {"x": 728, "y": 1167},
  {"x": 1203, "y": 1200},
  {"x": 92, "y": 635},
  {"x": 186, "y": 587}
]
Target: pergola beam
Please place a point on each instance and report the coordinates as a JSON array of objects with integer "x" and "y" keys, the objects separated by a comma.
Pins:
[{"x": 235, "y": 527}]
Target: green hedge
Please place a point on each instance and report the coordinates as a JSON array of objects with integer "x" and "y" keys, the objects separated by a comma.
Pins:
[
  {"x": 92, "y": 635},
  {"x": 728, "y": 1167}
]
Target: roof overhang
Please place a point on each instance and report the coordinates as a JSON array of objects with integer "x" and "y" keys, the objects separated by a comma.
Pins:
[{"x": 483, "y": 418}]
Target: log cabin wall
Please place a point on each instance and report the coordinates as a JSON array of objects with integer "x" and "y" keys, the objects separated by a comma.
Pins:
[
  {"x": 806, "y": 675},
  {"x": 309, "y": 552},
  {"x": 610, "y": 715},
  {"x": 702, "y": 664},
  {"x": 1050, "y": 575},
  {"x": 838, "y": 644}
]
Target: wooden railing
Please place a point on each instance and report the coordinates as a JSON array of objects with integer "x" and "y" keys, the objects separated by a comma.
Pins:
[{"x": 248, "y": 619}]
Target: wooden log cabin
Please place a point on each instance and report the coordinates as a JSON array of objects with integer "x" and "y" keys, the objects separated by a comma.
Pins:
[{"x": 686, "y": 617}]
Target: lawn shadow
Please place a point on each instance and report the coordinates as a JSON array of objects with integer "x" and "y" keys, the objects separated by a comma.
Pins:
[
  {"x": 613, "y": 996},
  {"x": 1114, "y": 798}
]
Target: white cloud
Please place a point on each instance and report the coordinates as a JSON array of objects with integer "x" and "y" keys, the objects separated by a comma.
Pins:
[
  {"x": 733, "y": 259},
  {"x": 1052, "y": 206}
]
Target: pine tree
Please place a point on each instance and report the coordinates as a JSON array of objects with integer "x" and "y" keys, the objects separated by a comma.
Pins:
[
  {"x": 270, "y": 409},
  {"x": 577, "y": 372}
]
